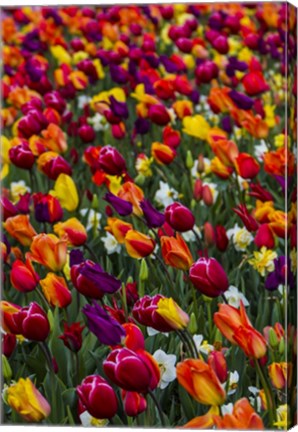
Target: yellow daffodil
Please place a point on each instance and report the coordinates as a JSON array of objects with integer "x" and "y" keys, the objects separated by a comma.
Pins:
[{"x": 263, "y": 260}]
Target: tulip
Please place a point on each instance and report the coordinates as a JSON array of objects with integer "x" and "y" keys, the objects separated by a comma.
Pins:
[
  {"x": 162, "y": 153},
  {"x": 23, "y": 276},
  {"x": 246, "y": 166},
  {"x": 179, "y": 217},
  {"x": 132, "y": 371},
  {"x": 111, "y": 161},
  {"x": 92, "y": 281},
  {"x": 54, "y": 100},
  {"x": 221, "y": 238},
  {"x": 8, "y": 209},
  {"x": 86, "y": 133},
  {"x": 8, "y": 310},
  {"x": 55, "y": 290},
  {"x": 242, "y": 417},
  {"x": 173, "y": 315},
  {"x": 206, "y": 72},
  {"x": 201, "y": 382},
  {"x": 133, "y": 194},
  {"x": 159, "y": 115},
  {"x": 145, "y": 312},
  {"x": 134, "y": 338},
  {"x": 171, "y": 137},
  {"x": 249, "y": 221},
  {"x": 27, "y": 401},
  {"x": 134, "y": 403},
  {"x": 71, "y": 230},
  {"x": 52, "y": 165},
  {"x": 198, "y": 189},
  {"x": 32, "y": 322},
  {"x": 21, "y": 156},
  {"x": 106, "y": 329},
  {"x": 264, "y": 237},
  {"x": 241, "y": 100},
  {"x": 260, "y": 193},
  {"x": 47, "y": 208},
  {"x": 207, "y": 195},
  {"x": 54, "y": 138},
  {"x": 208, "y": 277},
  {"x": 175, "y": 252},
  {"x": 98, "y": 397},
  {"x": 278, "y": 373},
  {"x": 254, "y": 83},
  {"x": 66, "y": 192},
  {"x": 138, "y": 245},
  {"x": 236, "y": 327},
  {"x": 154, "y": 218},
  {"x": 220, "y": 169},
  {"x": 72, "y": 336},
  {"x": 20, "y": 229},
  {"x": 32, "y": 123},
  {"x": 226, "y": 150},
  {"x": 48, "y": 250},
  {"x": 204, "y": 421},
  {"x": 218, "y": 363},
  {"x": 118, "y": 228},
  {"x": 23, "y": 205},
  {"x": 9, "y": 342},
  {"x": 124, "y": 208}
]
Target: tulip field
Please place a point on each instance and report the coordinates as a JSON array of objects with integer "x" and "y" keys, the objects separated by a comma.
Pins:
[{"x": 149, "y": 215}]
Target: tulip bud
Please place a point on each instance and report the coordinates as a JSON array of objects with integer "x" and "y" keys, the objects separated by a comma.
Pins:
[
  {"x": 198, "y": 190},
  {"x": 9, "y": 342},
  {"x": 207, "y": 195},
  {"x": 221, "y": 238},
  {"x": 189, "y": 160},
  {"x": 143, "y": 270},
  {"x": 273, "y": 339},
  {"x": 134, "y": 403},
  {"x": 218, "y": 363},
  {"x": 86, "y": 133},
  {"x": 264, "y": 237},
  {"x": 281, "y": 348},
  {"x": 209, "y": 234},
  {"x": 6, "y": 369},
  {"x": 192, "y": 326},
  {"x": 201, "y": 164}
]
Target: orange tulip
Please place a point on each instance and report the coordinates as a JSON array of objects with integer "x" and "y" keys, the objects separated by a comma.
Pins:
[
  {"x": 56, "y": 290},
  {"x": 203, "y": 422},
  {"x": 183, "y": 108},
  {"x": 234, "y": 324},
  {"x": 72, "y": 230},
  {"x": 215, "y": 134},
  {"x": 54, "y": 138},
  {"x": 277, "y": 162},
  {"x": 49, "y": 250},
  {"x": 278, "y": 223},
  {"x": 118, "y": 228},
  {"x": 226, "y": 150},
  {"x": 133, "y": 194},
  {"x": 243, "y": 417},
  {"x": 20, "y": 229},
  {"x": 138, "y": 245},
  {"x": 280, "y": 374},
  {"x": 219, "y": 100},
  {"x": 162, "y": 153},
  {"x": 219, "y": 169},
  {"x": 7, "y": 312},
  {"x": 201, "y": 382},
  {"x": 263, "y": 211},
  {"x": 175, "y": 252}
]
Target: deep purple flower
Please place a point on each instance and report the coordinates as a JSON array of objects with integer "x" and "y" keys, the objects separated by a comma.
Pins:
[
  {"x": 119, "y": 108},
  {"x": 241, "y": 100},
  {"x": 92, "y": 281},
  {"x": 154, "y": 218},
  {"x": 142, "y": 126},
  {"x": 226, "y": 124},
  {"x": 34, "y": 69},
  {"x": 106, "y": 329},
  {"x": 124, "y": 208},
  {"x": 119, "y": 74},
  {"x": 279, "y": 274},
  {"x": 76, "y": 257},
  {"x": 24, "y": 203}
]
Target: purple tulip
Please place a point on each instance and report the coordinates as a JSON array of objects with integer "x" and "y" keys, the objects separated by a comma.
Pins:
[
  {"x": 226, "y": 124},
  {"x": 106, "y": 329},
  {"x": 278, "y": 276},
  {"x": 154, "y": 218},
  {"x": 76, "y": 257},
  {"x": 119, "y": 108},
  {"x": 124, "y": 208},
  {"x": 241, "y": 100},
  {"x": 119, "y": 74},
  {"x": 142, "y": 126}
]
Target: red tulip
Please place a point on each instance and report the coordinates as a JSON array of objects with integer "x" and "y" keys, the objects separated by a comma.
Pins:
[
  {"x": 208, "y": 276},
  {"x": 111, "y": 161},
  {"x": 134, "y": 403},
  {"x": 246, "y": 166},
  {"x": 132, "y": 371},
  {"x": 98, "y": 397},
  {"x": 179, "y": 217},
  {"x": 249, "y": 221},
  {"x": 264, "y": 237},
  {"x": 23, "y": 276},
  {"x": 21, "y": 156},
  {"x": 159, "y": 115},
  {"x": 32, "y": 322},
  {"x": 218, "y": 363},
  {"x": 221, "y": 238}
]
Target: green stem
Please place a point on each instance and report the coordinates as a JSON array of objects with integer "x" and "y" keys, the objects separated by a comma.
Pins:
[
  {"x": 198, "y": 239},
  {"x": 47, "y": 354},
  {"x": 168, "y": 276},
  {"x": 192, "y": 343},
  {"x": 210, "y": 322},
  {"x": 42, "y": 298},
  {"x": 90, "y": 252},
  {"x": 186, "y": 343},
  {"x": 268, "y": 393},
  {"x": 150, "y": 392}
]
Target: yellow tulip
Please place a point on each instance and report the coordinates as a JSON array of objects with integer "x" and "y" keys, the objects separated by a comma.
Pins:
[{"x": 66, "y": 192}]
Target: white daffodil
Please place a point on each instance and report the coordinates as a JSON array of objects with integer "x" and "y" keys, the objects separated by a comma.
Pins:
[
  {"x": 110, "y": 243},
  {"x": 233, "y": 296},
  {"x": 241, "y": 237},
  {"x": 93, "y": 220},
  {"x": 165, "y": 195},
  {"x": 166, "y": 363},
  {"x": 189, "y": 236},
  {"x": 152, "y": 332},
  {"x": 88, "y": 420},
  {"x": 227, "y": 409},
  {"x": 202, "y": 345},
  {"x": 98, "y": 122},
  {"x": 260, "y": 149},
  {"x": 255, "y": 400},
  {"x": 232, "y": 382},
  {"x": 83, "y": 100}
]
